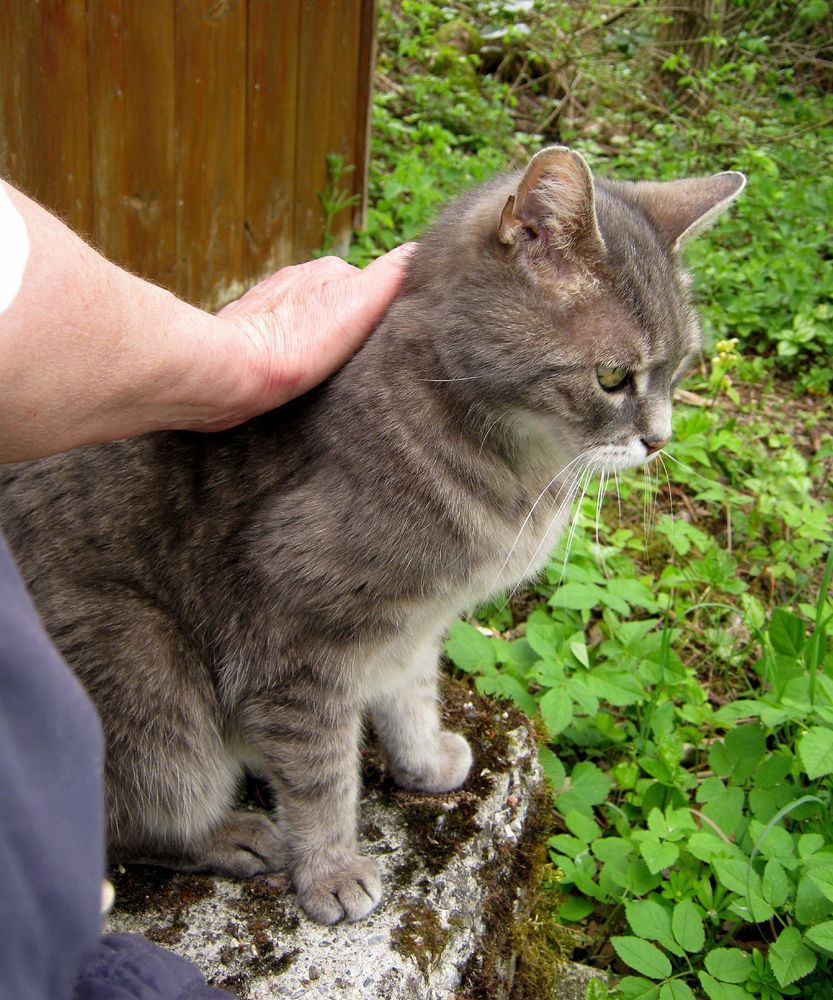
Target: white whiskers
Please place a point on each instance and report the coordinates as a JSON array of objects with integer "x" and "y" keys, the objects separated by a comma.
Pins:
[
  {"x": 661, "y": 460},
  {"x": 572, "y": 488},
  {"x": 539, "y": 498},
  {"x": 573, "y": 525}
]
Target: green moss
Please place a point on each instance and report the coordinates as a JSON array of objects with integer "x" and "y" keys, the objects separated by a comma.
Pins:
[
  {"x": 420, "y": 936},
  {"x": 147, "y": 889},
  {"x": 522, "y": 935},
  {"x": 237, "y": 984}
]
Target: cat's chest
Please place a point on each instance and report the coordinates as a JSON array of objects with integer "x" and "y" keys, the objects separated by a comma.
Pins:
[
  {"x": 518, "y": 547},
  {"x": 517, "y": 550}
]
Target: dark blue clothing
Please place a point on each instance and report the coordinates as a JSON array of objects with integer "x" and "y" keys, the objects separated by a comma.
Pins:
[{"x": 52, "y": 855}]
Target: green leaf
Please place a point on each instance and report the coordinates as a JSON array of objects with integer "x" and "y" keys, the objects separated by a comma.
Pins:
[
  {"x": 775, "y": 884},
  {"x": 809, "y": 844},
  {"x": 503, "y": 685},
  {"x": 737, "y": 757},
  {"x": 587, "y": 787},
  {"x": 687, "y": 925},
  {"x": 596, "y": 990},
  {"x": 633, "y": 876},
  {"x": 642, "y": 956},
  {"x": 612, "y": 849},
  {"x": 772, "y": 771},
  {"x": 741, "y": 877},
  {"x": 811, "y": 904},
  {"x": 821, "y": 935},
  {"x": 552, "y": 767},
  {"x": 575, "y": 908},
  {"x": 564, "y": 844},
  {"x": 815, "y": 748},
  {"x": 823, "y": 880},
  {"x": 618, "y": 687},
  {"x": 556, "y": 710},
  {"x": 707, "y": 846},
  {"x": 790, "y": 958},
  {"x": 787, "y": 632},
  {"x": 650, "y": 921},
  {"x": 636, "y": 988},
  {"x": 730, "y": 965},
  {"x": 577, "y": 596},
  {"x": 720, "y": 991},
  {"x": 469, "y": 649},
  {"x": 723, "y": 805},
  {"x": 675, "y": 989},
  {"x": 584, "y": 700},
  {"x": 578, "y": 647},
  {"x": 543, "y": 635},
  {"x": 658, "y": 854},
  {"x": 582, "y": 826}
]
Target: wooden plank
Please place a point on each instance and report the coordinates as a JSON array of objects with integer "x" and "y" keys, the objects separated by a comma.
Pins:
[
  {"x": 364, "y": 108},
  {"x": 51, "y": 125},
  {"x": 10, "y": 101},
  {"x": 132, "y": 134},
  {"x": 326, "y": 92},
  {"x": 344, "y": 89},
  {"x": 210, "y": 88},
  {"x": 272, "y": 87}
]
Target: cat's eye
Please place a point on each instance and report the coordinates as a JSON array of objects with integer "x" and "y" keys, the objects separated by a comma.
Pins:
[{"x": 612, "y": 378}]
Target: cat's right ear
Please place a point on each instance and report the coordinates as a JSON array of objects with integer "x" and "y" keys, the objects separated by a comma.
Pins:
[{"x": 554, "y": 206}]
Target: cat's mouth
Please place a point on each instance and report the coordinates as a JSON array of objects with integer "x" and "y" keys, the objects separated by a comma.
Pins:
[{"x": 617, "y": 457}]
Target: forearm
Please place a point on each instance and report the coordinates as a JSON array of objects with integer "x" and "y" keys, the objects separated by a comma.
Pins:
[{"x": 89, "y": 352}]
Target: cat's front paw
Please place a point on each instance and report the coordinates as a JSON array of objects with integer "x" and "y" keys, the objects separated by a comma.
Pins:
[
  {"x": 349, "y": 892},
  {"x": 443, "y": 771}
]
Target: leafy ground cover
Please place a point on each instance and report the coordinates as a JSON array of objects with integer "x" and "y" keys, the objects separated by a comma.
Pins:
[{"x": 679, "y": 659}]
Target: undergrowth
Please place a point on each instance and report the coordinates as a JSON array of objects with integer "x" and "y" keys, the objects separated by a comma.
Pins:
[{"x": 679, "y": 659}]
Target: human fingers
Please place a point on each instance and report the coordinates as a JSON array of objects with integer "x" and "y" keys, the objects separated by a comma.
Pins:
[{"x": 269, "y": 292}]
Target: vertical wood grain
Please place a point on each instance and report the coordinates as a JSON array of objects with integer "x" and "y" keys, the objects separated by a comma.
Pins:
[
  {"x": 364, "y": 107},
  {"x": 10, "y": 100},
  {"x": 187, "y": 137},
  {"x": 272, "y": 89},
  {"x": 131, "y": 75},
  {"x": 210, "y": 87},
  {"x": 50, "y": 120},
  {"x": 327, "y": 73}
]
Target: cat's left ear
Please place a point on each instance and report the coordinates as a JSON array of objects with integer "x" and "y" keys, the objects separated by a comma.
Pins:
[
  {"x": 682, "y": 209},
  {"x": 555, "y": 205}
]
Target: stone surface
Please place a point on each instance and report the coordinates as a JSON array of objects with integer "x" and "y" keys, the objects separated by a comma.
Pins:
[{"x": 456, "y": 869}]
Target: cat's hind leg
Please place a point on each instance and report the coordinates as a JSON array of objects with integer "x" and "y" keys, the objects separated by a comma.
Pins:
[
  {"x": 243, "y": 845},
  {"x": 422, "y": 756},
  {"x": 171, "y": 780}
]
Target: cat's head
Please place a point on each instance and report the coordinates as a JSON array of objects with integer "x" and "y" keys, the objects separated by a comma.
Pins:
[{"x": 583, "y": 315}]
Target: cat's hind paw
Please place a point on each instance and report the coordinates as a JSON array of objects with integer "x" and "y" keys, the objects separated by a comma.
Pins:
[
  {"x": 244, "y": 845},
  {"x": 446, "y": 769},
  {"x": 349, "y": 893}
]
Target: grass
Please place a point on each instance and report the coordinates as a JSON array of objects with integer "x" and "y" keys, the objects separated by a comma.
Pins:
[{"x": 679, "y": 661}]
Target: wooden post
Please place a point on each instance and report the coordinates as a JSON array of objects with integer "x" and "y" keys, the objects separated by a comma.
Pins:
[{"x": 188, "y": 138}]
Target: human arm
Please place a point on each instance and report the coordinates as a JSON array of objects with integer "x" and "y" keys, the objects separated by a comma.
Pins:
[{"x": 90, "y": 352}]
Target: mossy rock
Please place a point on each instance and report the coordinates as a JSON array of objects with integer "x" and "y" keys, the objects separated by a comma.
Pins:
[{"x": 461, "y": 871}]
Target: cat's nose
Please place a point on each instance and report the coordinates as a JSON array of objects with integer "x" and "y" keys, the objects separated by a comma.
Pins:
[{"x": 653, "y": 445}]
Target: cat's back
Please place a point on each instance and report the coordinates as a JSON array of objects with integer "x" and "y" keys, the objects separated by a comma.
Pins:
[{"x": 126, "y": 509}]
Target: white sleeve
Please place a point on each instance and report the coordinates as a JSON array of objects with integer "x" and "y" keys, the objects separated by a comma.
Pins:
[{"x": 14, "y": 250}]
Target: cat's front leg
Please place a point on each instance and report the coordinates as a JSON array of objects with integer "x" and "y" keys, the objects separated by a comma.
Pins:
[
  {"x": 422, "y": 756},
  {"x": 306, "y": 738}
]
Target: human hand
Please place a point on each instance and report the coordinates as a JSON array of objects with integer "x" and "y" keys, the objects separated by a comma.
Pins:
[
  {"x": 299, "y": 325},
  {"x": 92, "y": 353}
]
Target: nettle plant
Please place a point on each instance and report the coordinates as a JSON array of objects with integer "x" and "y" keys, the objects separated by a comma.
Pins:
[{"x": 704, "y": 843}]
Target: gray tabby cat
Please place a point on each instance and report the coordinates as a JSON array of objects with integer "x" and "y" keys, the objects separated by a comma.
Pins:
[{"x": 246, "y": 600}]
